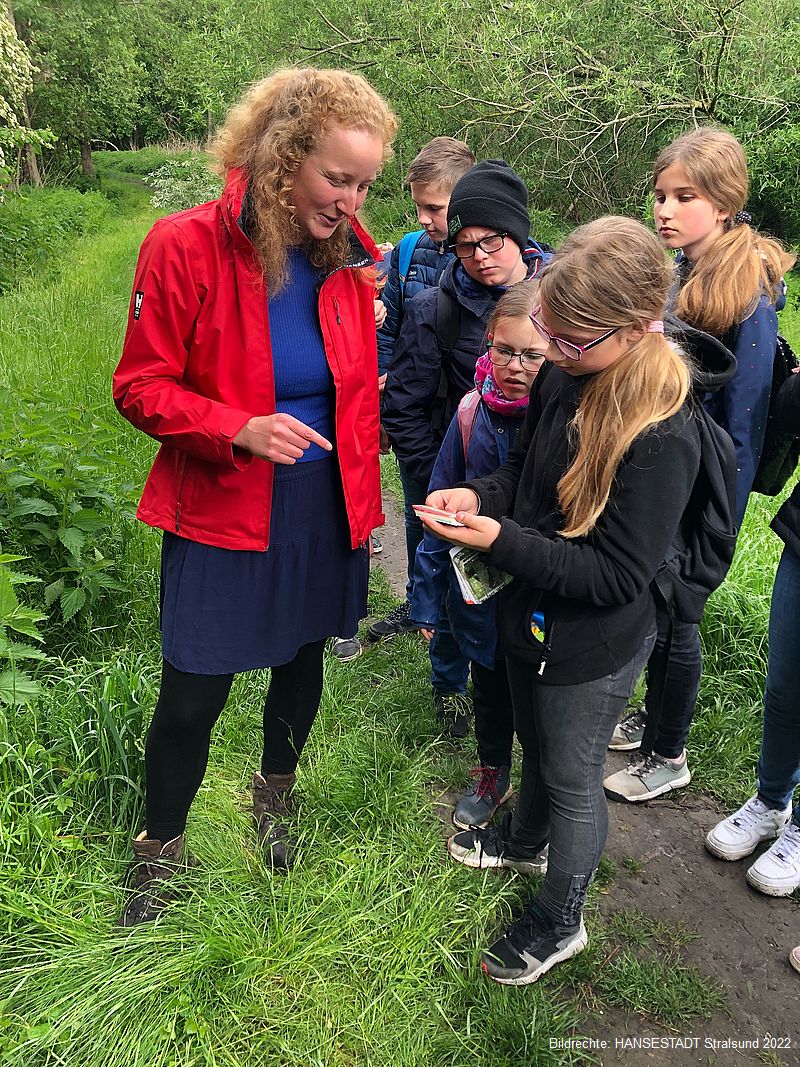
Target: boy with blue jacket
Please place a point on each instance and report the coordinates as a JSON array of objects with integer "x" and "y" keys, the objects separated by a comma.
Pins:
[{"x": 488, "y": 227}]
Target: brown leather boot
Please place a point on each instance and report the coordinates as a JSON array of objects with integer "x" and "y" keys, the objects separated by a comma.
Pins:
[
  {"x": 149, "y": 874},
  {"x": 272, "y": 806}
]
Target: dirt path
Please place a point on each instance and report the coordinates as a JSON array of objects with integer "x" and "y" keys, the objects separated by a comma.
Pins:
[{"x": 662, "y": 869}]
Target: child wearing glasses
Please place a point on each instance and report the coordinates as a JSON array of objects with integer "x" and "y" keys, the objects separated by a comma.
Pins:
[
  {"x": 477, "y": 442},
  {"x": 728, "y": 282},
  {"x": 488, "y": 227},
  {"x": 581, "y": 515}
]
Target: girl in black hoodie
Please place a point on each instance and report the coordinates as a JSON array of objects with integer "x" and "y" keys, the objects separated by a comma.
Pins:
[{"x": 582, "y": 515}]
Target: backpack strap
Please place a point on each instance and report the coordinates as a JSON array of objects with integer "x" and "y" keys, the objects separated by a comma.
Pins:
[
  {"x": 467, "y": 413},
  {"x": 447, "y": 325},
  {"x": 407, "y": 247}
]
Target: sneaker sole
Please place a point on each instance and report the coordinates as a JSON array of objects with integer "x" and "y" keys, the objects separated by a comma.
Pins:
[
  {"x": 732, "y": 855},
  {"x": 573, "y": 949},
  {"x": 489, "y": 817},
  {"x": 624, "y": 746},
  {"x": 770, "y": 890},
  {"x": 666, "y": 788},
  {"x": 468, "y": 858}
]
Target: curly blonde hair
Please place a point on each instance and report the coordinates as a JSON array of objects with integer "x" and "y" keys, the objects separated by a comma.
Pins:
[
  {"x": 727, "y": 282},
  {"x": 609, "y": 274},
  {"x": 275, "y": 126}
]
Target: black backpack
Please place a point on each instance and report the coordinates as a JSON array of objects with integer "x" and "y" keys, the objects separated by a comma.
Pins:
[
  {"x": 704, "y": 544},
  {"x": 781, "y": 450}
]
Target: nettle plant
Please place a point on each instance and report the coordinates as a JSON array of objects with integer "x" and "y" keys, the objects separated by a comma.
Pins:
[
  {"x": 61, "y": 504},
  {"x": 17, "y": 622}
]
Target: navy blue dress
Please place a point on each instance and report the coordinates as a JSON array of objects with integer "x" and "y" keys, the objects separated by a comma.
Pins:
[{"x": 224, "y": 611}]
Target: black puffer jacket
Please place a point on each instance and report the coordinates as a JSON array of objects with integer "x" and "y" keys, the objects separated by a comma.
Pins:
[{"x": 786, "y": 523}]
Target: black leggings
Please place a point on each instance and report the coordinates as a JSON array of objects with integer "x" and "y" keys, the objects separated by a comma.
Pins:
[{"x": 189, "y": 705}]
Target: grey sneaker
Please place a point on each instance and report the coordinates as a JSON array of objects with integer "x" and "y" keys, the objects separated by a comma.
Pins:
[
  {"x": 741, "y": 833},
  {"x": 492, "y": 848},
  {"x": 491, "y": 788},
  {"x": 776, "y": 872},
  {"x": 629, "y": 732},
  {"x": 648, "y": 777},
  {"x": 346, "y": 648},
  {"x": 453, "y": 711}
]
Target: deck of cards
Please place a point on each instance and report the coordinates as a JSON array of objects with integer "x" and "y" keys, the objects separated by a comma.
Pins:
[{"x": 446, "y": 518}]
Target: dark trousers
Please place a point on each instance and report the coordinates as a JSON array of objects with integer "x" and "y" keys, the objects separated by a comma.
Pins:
[
  {"x": 449, "y": 668},
  {"x": 564, "y": 731},
  {"x": 178, "y": 741},
  {"x": 673, "y": 682},
  {"x": 494, "y": 714}
]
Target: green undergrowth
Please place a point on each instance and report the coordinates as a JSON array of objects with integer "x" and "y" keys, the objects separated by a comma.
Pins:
[{"x": 368, "y": 953}]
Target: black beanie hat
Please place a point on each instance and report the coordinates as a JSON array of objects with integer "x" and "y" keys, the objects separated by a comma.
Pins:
[{"x": 490, "y": 194}]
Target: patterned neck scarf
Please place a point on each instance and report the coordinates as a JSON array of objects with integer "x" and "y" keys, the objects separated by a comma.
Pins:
[{"x": 490, "y": 391}]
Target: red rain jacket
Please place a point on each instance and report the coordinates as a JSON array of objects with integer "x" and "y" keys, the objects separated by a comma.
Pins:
[{"x": 197, "y": 365}]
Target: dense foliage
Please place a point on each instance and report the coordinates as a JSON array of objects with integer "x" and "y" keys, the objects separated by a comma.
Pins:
[{"x": 579, "y": 97}]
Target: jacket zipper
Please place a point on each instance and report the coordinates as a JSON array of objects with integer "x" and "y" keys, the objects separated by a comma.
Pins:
[
  {"x": 546, "y": 650},
  {"x": 178, "y": 503}
]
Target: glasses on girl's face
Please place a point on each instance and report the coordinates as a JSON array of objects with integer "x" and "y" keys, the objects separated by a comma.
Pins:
[
  {"x": 501, "y": 356},
  {"x": 567, "y": 348},
  {"x": 493, "y": 243}
]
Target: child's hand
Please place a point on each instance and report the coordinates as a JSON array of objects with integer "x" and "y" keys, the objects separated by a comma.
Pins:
[
  {"x": 454, "y": 500},
  {"x": 427, "y": 634},
  {"x": 478, "y": 531},
  {"x": 380, "y": 313}
]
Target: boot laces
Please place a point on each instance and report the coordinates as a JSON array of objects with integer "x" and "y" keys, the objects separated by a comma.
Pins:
[
  {"x": 487, "y": 782},
  {"x": 787, "y": 847}
]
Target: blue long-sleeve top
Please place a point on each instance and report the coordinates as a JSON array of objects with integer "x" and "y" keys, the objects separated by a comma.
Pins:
[{"x": 474, "y": 626}]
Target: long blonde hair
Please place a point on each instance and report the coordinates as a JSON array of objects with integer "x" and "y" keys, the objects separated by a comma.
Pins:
[
  {"x": 275, "y": 126},
  {"x": 613, "y": 273},
  {"x": 727, "y": 282}
]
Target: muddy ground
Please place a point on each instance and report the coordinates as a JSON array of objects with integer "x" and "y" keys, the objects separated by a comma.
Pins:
[{"x": 662, "y": 869}]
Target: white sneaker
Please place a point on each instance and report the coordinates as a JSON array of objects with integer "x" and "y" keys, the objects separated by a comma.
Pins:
[
  {"x": 742, "y": 833},
  {"x": 794, "y": 958},
  {"x": 777, "y": 871}
]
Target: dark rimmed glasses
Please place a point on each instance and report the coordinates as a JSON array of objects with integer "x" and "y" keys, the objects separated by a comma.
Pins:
[
  {"x": 466, "y": 249},
  {"x": 567, "y": 348},
  {"x": 500, "y": 356}
]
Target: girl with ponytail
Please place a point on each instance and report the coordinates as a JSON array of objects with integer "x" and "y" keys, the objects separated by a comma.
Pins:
[
  {"x": 581, "y": 515},
  {"x": 729, "y": 283}
]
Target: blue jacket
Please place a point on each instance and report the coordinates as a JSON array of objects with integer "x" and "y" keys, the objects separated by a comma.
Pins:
[
  {"x": 410, "y": 394},
  {"x": 428, "y": 260},
  {"x": 474, "y": 627},
  {"x": 741, "y": 406}
]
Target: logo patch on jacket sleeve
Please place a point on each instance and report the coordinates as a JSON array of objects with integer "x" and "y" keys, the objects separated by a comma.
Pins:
[{"x": 138, "y": 300}]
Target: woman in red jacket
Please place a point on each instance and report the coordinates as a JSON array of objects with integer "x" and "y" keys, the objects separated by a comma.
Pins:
[{"x": 250, "y": 356}]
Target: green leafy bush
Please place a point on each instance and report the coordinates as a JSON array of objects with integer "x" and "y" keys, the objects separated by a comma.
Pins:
[
  {"x": 143, "y": 161},
  {"x": 183, "y": 183},
  {"x": 60, "y": 501},
  {"x": 16, "y": 687},
  {"x": 35, "y": 226}
]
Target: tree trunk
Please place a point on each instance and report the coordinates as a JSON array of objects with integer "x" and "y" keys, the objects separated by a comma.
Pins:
[
  {"x": 31, "y": 162},
  {"x": 86, "y": 159}
]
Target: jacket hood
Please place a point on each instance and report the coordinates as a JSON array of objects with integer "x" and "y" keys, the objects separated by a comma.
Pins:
[
  {"x": 237, "y": 213},
  {"x": 476, "y": 297},
  {"x": 713, "y": 365}
]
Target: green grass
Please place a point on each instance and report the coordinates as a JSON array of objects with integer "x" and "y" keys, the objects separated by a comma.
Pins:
[{"x": 368, "y": 953}]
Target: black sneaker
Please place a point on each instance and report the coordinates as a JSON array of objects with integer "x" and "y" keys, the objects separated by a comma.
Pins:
[
  {"x": 377, "y": 545},
  {"x": 392, "y": 625},
  {"x": 453, "y": 712},
  {"x": 530, "y": 947},
  {"x": 491, "y": 848},
  {"x": 346, "y": 648}
]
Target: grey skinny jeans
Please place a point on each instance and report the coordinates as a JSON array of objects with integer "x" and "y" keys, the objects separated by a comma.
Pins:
[{"x": 564, "y": 731}]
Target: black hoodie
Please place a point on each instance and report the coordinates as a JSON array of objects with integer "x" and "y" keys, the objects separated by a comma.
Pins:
[{"x": 594, "y": 591}]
